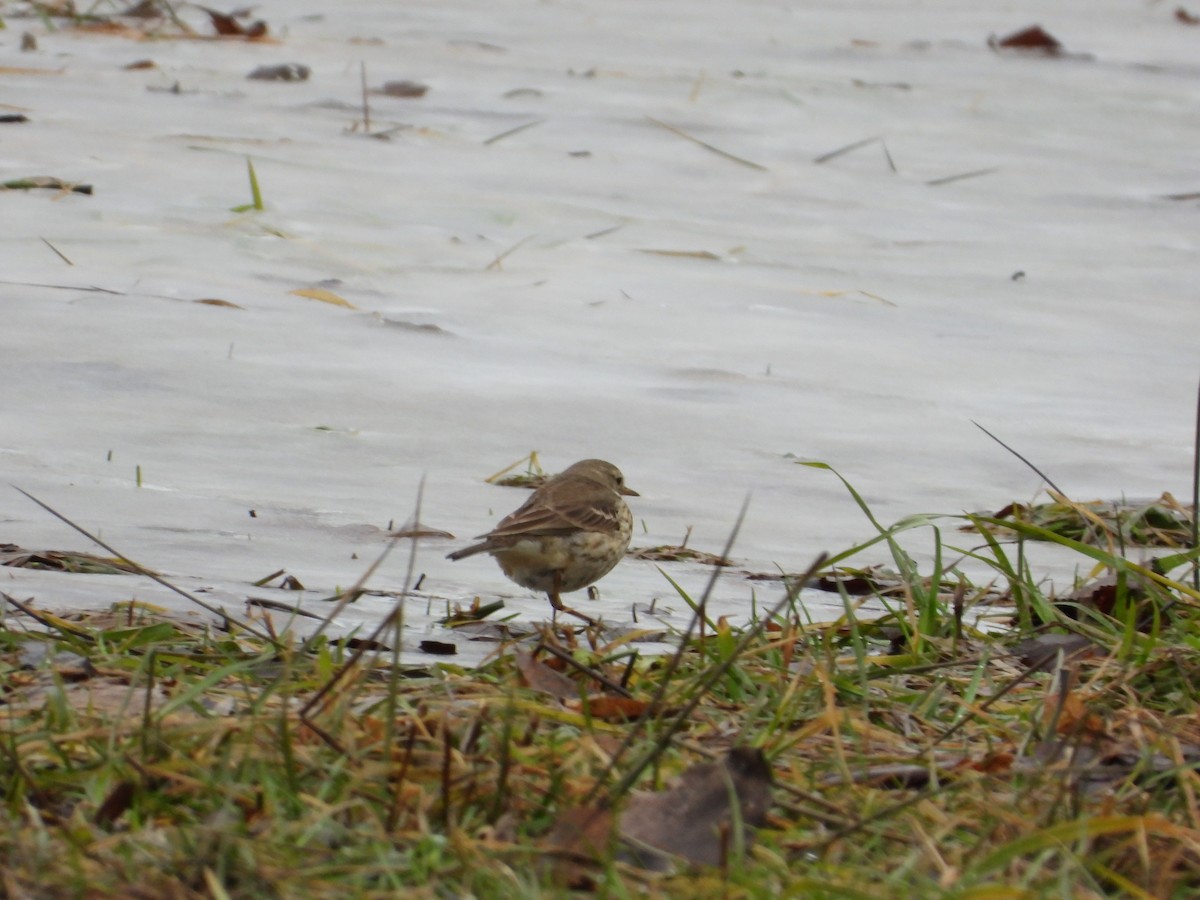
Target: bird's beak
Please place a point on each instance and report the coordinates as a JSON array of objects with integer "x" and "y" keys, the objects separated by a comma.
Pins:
[{"x": 629, "y": 492}]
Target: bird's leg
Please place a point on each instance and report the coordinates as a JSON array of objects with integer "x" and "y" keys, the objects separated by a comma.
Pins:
[
  {"x": 553, "y": 593},
  {"x": 555, "y": 599},
  {"x": 559, "y": 606}
]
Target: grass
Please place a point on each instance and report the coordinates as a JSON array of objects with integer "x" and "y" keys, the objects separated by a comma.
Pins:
[
  {"x": 256, "y": 198},
  {"x": 144, "y": 755}
]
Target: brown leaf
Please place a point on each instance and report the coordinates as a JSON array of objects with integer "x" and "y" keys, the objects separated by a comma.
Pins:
[
  {"x": 119, "y": 799},
  {"x": 1187, "y": 18},
  {"x": 229, "y": 26},
  {"x": 323, "y": 295},
  {"x": 579, "y": 836},
  {"x": 1102, "y": 596},
  {"x": 223, "y": 24},
  {"x": 1074, "y": 716},
  {"x": 991, "y": 764},
  {"x": 584, "y": 830},
  {"x": 21, "y": 70},
  {"x": 542, "y": 678},
  {"x": 1033, "y": 39},
  {"x": 354, "y": 643},
  {"x": 419, "y": 531},
  {"x": 856, "y": 582},
  {"x": 696, "y": 818},
  {"x": 610, "y": 709}
]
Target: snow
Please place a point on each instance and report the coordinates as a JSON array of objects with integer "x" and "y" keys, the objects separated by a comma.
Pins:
[{"x": 505, "y": 299}]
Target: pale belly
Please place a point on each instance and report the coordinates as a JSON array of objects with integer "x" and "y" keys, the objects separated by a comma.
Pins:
[{"x": 579, "y": 559}]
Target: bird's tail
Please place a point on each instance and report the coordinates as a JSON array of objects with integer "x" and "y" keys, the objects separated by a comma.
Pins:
[{"x": 468, "y": 551}]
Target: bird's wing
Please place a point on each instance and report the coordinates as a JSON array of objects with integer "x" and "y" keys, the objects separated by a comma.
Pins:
[{"x": 547, "y": 515}]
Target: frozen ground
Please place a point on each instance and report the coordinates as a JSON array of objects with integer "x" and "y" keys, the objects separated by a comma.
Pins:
[{"x": 837, "y": 311}]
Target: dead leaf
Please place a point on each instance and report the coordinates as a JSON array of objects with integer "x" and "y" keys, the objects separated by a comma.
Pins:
[
  {"x": 1187, "y": 18},
  {"x": 420, "y": 532},
  {"x": 856, "y": 582},
  {"x": 540, "y": 677},
  {"x": 586, "y": 830},
  {"x": 119, "y": 799},
  {"x": 698, "y": 818},
  {"x": 228, "y": 25},
  {"x": 579, "y": 836},
  {"x": 1073, "y": 716},
  {"x": 353, "y": 643},
  {"x": 22, "y": 70},
  {"x": 212, "y": 301},
  {"x": 610, "y": 709},
  {"x": 993, "y": 763},
  {"x": 324, "y": 296},
  {"x": 1033, "y": 39},
  {"x": 1103, "y": 594}
]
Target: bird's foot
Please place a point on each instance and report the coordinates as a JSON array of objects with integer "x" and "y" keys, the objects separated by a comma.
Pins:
[{"x": 559, "y": 606}]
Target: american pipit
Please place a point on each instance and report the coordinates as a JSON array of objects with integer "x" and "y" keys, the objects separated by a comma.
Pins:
[{"x": 570, "y": 532}]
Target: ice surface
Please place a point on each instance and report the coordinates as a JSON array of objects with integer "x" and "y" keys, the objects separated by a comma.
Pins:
[{"x": 850, "y": 313}]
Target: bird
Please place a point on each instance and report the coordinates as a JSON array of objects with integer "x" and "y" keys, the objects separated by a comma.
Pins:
[{"x": 570, "y": 533}]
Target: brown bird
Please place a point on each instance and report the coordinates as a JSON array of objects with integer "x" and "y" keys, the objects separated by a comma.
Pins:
[{"x": 571, "y": 532}]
